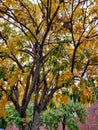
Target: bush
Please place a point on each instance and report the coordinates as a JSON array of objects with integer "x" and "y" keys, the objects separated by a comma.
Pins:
[{"x": 73, "y": 112}]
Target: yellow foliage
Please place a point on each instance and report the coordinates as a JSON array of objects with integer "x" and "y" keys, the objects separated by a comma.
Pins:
[
  {"x": 57, "y": 104},
  {"x": 60, "y": 82},
  {"x": 38, "y": 98},
  {"x": 64, "y": 99},
  {"x": 49, "y": 79},
  {"x": 1, "y": 81},
  {"x": 87, "y": 104},
  {"x": 3, "y": 102},
  {"x": 32, "y": 97},
  {"x": 12, "y": 46},
  {"x": 57, "y": 97},
  {"x": 10, "y": 2},
  {"x": 12, "y": 81},
  {"x": 66, "y": 75}
]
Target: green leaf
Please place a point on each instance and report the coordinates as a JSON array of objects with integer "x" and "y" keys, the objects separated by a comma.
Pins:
[{"x": 2, "y": 73}]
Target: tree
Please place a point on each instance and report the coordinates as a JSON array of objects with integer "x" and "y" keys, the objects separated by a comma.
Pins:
[
  {"x": 47, "y": 49},
  {"x": 72, "y": 112}
]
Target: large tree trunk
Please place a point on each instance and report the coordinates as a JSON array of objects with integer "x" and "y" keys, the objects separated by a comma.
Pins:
[
  {"x": 23, "y": 115},
  {"x": 36, "y": 118}
]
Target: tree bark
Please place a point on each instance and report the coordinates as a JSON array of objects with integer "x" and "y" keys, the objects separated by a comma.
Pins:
[
  {"x": 64, "y": 123},
  {"x": 36, "y": 118},
  {"x": 26, "y": 127}
]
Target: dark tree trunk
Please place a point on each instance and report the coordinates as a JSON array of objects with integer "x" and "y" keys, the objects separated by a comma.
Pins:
[
  {"x": 36, "y": 118},
  {"x": 25, "y": 127},
  {"x": 23, "y": 115},
  {"x": 64, "y": 123}
]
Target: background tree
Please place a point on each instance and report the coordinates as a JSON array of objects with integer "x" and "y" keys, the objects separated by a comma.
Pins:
[
  {"x": 73, "y": 113},
  {"x": 47, "y": 49}
]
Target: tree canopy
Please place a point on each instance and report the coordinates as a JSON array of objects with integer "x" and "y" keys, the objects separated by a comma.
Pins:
[{"x": 48, "y": 49}]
